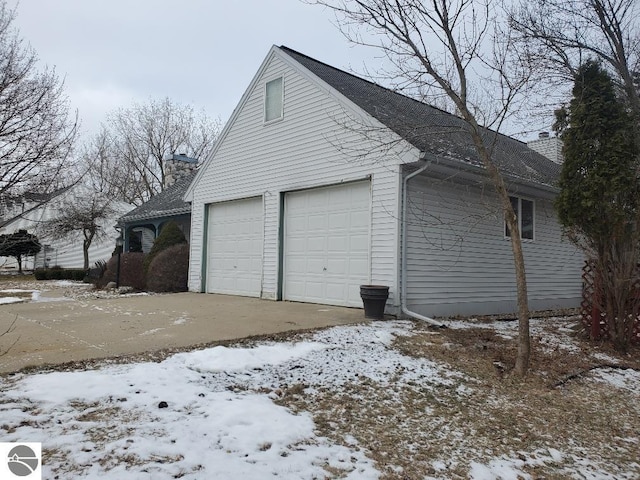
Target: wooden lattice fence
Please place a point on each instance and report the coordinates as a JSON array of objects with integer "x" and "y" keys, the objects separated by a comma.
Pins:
[{"x": 593, "y": 319}]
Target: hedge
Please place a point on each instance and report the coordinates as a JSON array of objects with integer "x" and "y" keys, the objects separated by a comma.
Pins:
[
  {"x": 56, "y": 273},
  {"x": 131, "y": 271}
]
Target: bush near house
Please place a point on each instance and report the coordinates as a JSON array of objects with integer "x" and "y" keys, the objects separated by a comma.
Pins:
[
  {"x": 169, "y": 269},
  {"x": 131, "y": 271},
  {"x": 59, "y": 273},
  {"x": 169, "y": 236}
]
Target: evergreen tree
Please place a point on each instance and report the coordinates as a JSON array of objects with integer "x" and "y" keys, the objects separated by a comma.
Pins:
[
  {"x": 599, "y": 201},
  {"x": 599, "y": 197}
]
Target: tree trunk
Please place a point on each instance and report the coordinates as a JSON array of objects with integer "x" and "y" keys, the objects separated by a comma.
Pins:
[
  {"x": 85, "y": 252},
  {"x": 524, "y": 341},
  {"x": 88, "y": 239},
  {"x": 19, "y": 259}
]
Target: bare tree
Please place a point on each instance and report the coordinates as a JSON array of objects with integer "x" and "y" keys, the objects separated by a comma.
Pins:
[
  {"x": 134, "y": 143},
  {"x": 453, "y": 47},
  {"x": 36, "y": 130},
  {"x": 82, "y": 217},
  {"x": 557, "y": 36}
]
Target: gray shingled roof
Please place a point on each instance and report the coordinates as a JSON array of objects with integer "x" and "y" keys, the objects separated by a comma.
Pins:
[
  {"x": 166, "y": 203},
  {"x": 429, "y": 129}
]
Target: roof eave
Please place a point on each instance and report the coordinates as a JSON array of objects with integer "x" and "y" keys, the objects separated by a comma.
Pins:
[
  {"x": 479, "y": 172},
  {"x": 154, "y": 215}
]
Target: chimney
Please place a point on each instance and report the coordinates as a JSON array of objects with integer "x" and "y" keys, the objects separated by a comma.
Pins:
[
  {"x": 543, "y": 135},
  {"x": 177, "y": 166}
]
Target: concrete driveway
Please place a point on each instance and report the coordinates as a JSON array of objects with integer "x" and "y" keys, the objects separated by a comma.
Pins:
[{"x": 65, "y": 330}]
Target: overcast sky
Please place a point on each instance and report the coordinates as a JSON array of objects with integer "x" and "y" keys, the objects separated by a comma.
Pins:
[{"x": 112, "y": 53}]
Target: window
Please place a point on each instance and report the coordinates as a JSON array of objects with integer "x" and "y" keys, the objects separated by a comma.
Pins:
[
  {"x": 525, "y": 215},
  {"x": 273, "y": 100}
]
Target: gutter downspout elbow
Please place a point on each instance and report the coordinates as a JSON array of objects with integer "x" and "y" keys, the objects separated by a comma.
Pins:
[{"x": 403, "y": 293}]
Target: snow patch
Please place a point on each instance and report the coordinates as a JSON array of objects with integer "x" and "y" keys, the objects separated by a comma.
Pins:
[{"x": 8, "y": 300}]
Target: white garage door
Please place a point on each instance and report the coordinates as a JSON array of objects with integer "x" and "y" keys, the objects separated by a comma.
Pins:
[
  {"x": 234, "y": 250},
  {"x": 326, "y": 244}
]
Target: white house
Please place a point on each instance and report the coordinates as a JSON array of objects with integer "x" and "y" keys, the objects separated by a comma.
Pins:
[
  {"x": 33, "y": 214},
  {"x": 322, "y": 181}
]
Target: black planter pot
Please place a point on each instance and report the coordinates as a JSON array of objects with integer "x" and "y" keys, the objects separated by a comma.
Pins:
[{"x": 374, "y": 298}]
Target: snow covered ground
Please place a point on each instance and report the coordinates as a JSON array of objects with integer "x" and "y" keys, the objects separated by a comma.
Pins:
[
  {"x": 67, "y": 290},
  {"x": 217, "y": 413}
]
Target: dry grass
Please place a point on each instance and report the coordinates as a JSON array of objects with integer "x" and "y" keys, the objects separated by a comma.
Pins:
[
  {"x": 15, "y": 277},
  {"x": 418, "y": 431}
]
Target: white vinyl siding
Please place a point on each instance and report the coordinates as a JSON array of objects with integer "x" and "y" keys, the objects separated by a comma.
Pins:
[
  {"x": 459, "y": 263},
  {"x": 66, "y": 252},
  {"x": 234, "y": 260},
  {"x": 304, "y": 150},
  {"x": 326, "y": 244}
]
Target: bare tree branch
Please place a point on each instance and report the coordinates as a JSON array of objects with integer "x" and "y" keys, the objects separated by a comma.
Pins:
[
  {"x": 134, "y": 143},
  {"x": 36, "y": 131},
  {"x": 557, "y": 37}
]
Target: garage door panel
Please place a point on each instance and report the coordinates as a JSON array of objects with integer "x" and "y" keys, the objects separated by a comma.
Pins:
[
  {"x": 358, "y": 265},
  {"x": 359, "y": 244},
  {"x": 328, "y": 228},
  {"x": 339, "y": 220},
  {"x": 358, "y": 222},
  {"x": 338, "y": 243},
  {"x": 337, "y": 266},
  {"x": 316, "y": 244},
  {"x": 234, "y": 263}
]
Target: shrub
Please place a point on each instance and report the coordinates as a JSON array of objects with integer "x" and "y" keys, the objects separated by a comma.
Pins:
[
  {"x": 58, "y": 273},
  {"x": 78, "y": 275},
  {"x": 169, "y": 236},
  {"x": 55, "y": 273},
  {"x": 131, "y": 271},
  {"x": 169, "y": 270},
  {"x": 95, "y": 274}
]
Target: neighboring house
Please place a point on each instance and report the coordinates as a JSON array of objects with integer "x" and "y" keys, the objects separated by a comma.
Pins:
[
  {"x": 322, "y": 181},
  {"x": 550, "y": 147},
  {"x": 143, "y": 224},
  {"x": 32, "y": 215}
]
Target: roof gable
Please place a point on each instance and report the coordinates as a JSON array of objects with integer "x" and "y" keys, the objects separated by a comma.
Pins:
[
  {"x": 188, "y": 193},
  {"x": 429, "y": 129}
]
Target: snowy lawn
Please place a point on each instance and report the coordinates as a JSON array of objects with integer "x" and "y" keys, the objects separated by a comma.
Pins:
[
  {"x": 390, "y": 400},
  {"x": 14, "y": 290},
  {"x": 17, "y": 291}
]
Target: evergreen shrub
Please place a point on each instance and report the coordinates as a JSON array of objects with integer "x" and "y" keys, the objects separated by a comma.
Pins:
[
  {"x": 169, "y": 236},
  {"x": 169, "y": 270},
  {"x": 131, "y": 271}
]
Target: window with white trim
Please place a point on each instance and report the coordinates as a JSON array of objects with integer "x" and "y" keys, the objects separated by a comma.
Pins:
[
  {"x": 273, "y": 100},
  {"x": 525, "y": 214}
]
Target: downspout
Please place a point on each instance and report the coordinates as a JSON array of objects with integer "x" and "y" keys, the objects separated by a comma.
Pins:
[{"x": 403, "y": 262}]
